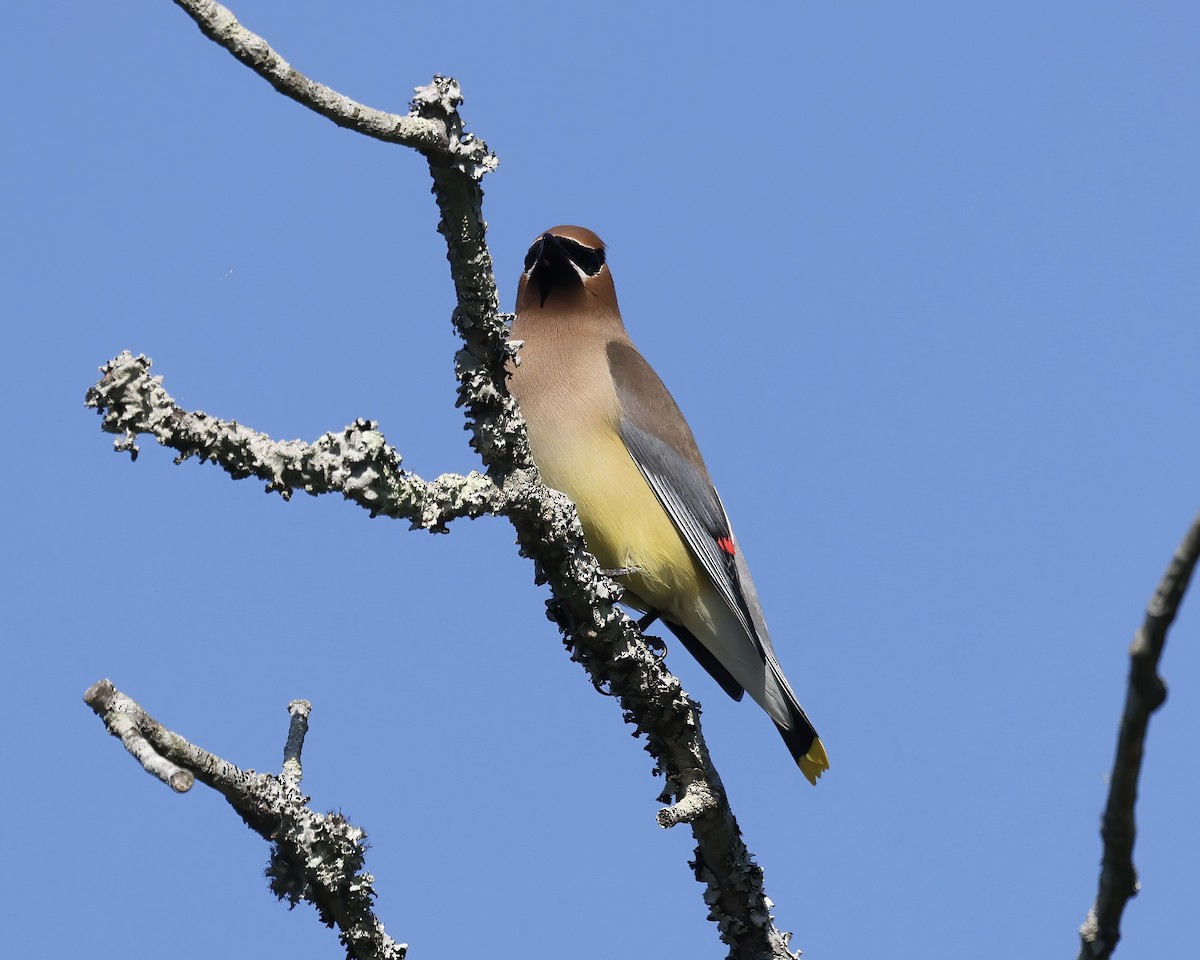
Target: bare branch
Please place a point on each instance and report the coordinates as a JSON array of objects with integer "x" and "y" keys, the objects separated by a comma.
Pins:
[
  {"x": 318, "y": 858},
  {"x": 1145, "y": 693},
  {"x": 293, "y": 771},
  {"x": 357, "y": 462},
  {"x": 429, "y": 136},
  {"x": 127, "y": 722}
]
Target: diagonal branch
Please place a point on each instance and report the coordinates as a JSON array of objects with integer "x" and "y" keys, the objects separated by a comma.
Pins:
[
  {"x": 412, "y": 130},
  {"x": 318, "y": 858},
  {"x": 1146, "y": 692}
]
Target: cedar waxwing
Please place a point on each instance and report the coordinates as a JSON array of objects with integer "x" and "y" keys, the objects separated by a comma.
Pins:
[{"x": 604, "y": 430}]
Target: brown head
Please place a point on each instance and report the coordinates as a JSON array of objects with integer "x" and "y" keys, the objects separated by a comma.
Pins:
[{"x": 566, "y": 271}]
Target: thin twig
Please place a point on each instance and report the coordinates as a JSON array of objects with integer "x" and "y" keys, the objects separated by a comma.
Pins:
[
  {"x": 293, "y": 769},
  {"x": 1145, "y": 693},
  {"x": 138, "y": 733}
]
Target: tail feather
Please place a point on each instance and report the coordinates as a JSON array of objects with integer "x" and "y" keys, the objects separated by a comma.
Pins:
[
  {"x": 741, "y": 664},
  {"x": 794, "y": 726},
  {"x": 807, "y": 750}
]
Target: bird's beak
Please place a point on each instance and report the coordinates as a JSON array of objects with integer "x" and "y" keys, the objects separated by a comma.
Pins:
[{"x": 546, "y": 253}]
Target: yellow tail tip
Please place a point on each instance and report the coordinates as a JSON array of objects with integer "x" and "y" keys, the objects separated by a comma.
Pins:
[{"x": 815, "y": 762}]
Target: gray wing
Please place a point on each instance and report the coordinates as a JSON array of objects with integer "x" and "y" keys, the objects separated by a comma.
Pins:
[
  {"x": 671, "y": 463},
  {"x": 662, "y": 446}
]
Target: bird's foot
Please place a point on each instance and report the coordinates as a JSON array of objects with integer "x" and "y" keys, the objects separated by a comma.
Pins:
[{"x": 658, "y": 646}]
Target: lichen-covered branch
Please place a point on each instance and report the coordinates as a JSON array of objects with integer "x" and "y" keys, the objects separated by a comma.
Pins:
[
  {"x": 359, "y": 464},
  {"x": 356, "y": 462},
  {"x": 317, "y": 858},
  {"x": 429, "y": 136},
  {"x": 1144, "y": 694}
]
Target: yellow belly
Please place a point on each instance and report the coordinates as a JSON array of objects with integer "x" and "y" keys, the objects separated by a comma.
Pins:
[{"x": 625, "y": 525}]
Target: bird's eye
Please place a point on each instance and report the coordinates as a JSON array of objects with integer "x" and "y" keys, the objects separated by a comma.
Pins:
[{"x": 587, "y": 259}]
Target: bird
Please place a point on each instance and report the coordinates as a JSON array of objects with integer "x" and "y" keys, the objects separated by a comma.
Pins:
[{"x": 604, "y": 430}]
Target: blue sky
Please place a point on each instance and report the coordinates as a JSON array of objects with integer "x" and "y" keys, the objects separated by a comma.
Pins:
[{"x": 923, "y": 278}]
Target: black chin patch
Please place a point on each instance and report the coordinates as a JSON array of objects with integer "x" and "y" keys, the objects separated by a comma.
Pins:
[{"x": 545, "y": 281}]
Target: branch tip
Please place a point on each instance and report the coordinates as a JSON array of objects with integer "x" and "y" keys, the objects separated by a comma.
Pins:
[
  {"x": 293, "y": 772},
  {"x": 1145, "y": 693},
  {"x": 433, "y": 125},
  {"x": 698, "y": 801}
]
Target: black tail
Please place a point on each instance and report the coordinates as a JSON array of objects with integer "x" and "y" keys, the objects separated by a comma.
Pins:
[{"x": 805, "y": 746}]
